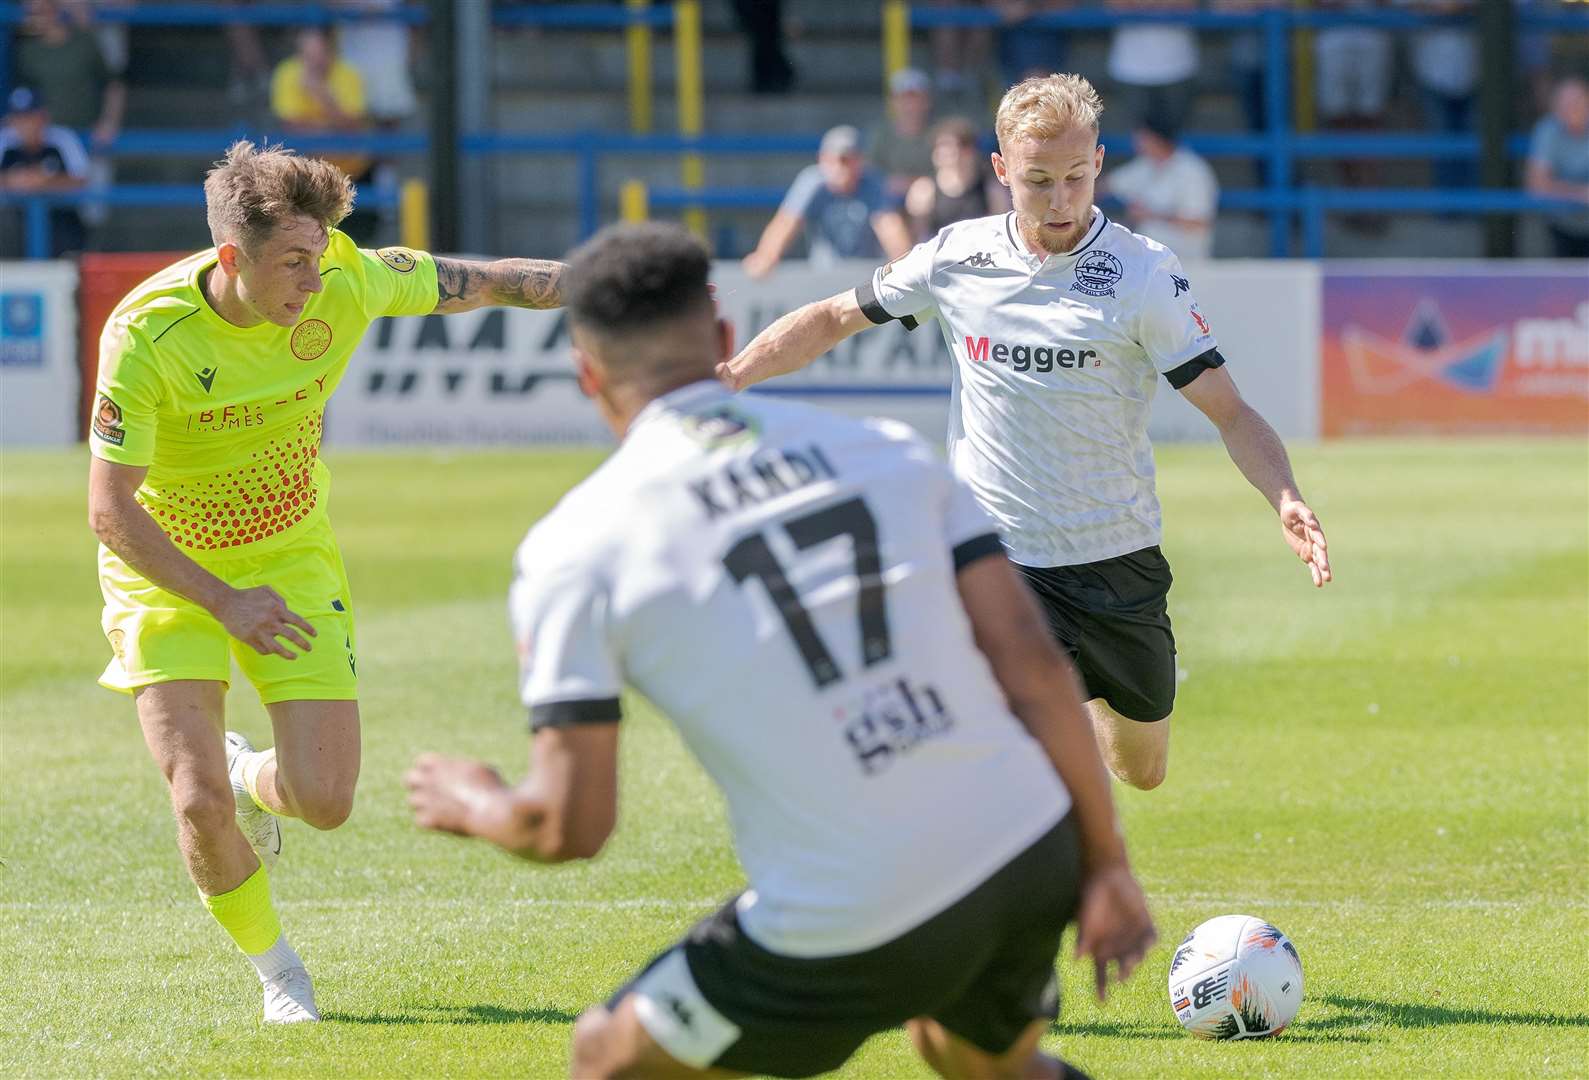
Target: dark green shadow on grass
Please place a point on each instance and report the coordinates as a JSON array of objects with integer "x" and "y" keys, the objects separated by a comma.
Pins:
[
  {"x": 1357, "y": 1011},
  {"x": 457, "y": 1014},
  {"x": 1114, "y": 1029}
]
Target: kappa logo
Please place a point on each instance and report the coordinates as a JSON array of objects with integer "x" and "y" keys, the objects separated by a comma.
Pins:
[
  {"x": 310, "y": 339},
  {"x": 206, "y": 377},
  {"x": 980, "y": 261},
  {"x": 1097, "y": 274},
  {"x": 1180, "y": 283},
  {"x": 107, "y": 421},
  {"x": 400, "y": 259}
]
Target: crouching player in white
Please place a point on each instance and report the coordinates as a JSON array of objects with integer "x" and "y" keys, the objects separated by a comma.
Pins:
[
  {"x": 829, "y": 619},
  {"x": 1060, "y": 325}
]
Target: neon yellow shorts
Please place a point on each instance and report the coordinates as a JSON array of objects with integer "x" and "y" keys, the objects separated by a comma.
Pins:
[{"x": 158, "y": 636}]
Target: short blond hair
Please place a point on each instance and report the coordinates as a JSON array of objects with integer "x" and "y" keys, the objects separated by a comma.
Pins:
[
  {"x": 254, "y": 189},
  {"x": 1045, "y": 106}
]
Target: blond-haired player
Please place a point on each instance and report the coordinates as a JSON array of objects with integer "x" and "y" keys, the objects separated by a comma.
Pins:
[
  {"x": 209, "y": 498},
  {"x": 1059, "y": 323}
]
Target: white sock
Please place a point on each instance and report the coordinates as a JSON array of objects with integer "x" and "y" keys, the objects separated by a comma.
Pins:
[
  {"x": 253, "y": 762},
  {"x": 273, "y": 961}
]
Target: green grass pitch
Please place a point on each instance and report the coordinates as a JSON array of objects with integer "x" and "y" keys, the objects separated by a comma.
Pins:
[{"x": 1395, "y": 771}]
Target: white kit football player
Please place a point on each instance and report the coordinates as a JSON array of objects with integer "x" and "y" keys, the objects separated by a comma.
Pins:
[
  {"x": 1059, "y": 323},
  {"x": 829, "y": 619}
]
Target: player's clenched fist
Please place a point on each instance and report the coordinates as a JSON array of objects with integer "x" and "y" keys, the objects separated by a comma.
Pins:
[{"x": 259, "y": 618}]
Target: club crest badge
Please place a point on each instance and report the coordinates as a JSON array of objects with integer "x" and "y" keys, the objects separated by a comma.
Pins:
[
  {"x": 1097, "y": 274},
  {"x": 310, "y": 339}
]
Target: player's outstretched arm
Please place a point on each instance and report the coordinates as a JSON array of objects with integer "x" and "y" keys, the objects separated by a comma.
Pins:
[
  {"x": 565, "y": 809},
  {"x": 1113, "y": 922},
  {"x": 258, "y": 617},
  {"x": 464, "y": 285},
  {"x": 1256, "y": 449},
  {"x": 795, "y": 340}
]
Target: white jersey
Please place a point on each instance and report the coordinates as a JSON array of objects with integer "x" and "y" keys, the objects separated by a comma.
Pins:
[
  {"x": 780, "y": 582},
  {"x": 1056, "y": 363}
]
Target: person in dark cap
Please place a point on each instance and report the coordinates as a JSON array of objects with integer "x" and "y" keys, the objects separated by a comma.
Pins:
[
  {"x": 1170, "y": 193},
  {"x": 842, "y": 206},
  {"x": 38, "y": 157}
]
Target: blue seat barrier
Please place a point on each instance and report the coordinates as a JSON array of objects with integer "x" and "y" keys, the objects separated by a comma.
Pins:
[
  {"x": 1278, "y": 146},
  {"x": 36, "y": 206},
  {"x": 209, "y": 13}
]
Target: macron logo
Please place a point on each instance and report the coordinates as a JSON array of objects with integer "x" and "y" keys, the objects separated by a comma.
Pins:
[{"x": 1029, "y": 357}]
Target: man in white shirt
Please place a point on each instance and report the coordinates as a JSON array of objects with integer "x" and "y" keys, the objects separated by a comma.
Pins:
[
  {"x": 826, "y": 615},
  {"x": 1059, "y": 323},
  {"x": 1171, "y": 195}
]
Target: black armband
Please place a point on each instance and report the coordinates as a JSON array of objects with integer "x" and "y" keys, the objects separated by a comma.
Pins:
[{"x": 1182, "y": 376}]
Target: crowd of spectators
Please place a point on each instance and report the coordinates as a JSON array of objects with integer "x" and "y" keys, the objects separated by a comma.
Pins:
[{"x": 919, "y": 165}]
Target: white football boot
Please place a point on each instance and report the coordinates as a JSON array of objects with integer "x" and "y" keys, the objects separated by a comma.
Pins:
[
  {"x": 260, "y": 827},
  {"x": 289, "y": 998}
]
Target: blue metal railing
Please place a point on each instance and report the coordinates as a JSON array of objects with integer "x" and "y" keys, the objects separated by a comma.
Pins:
[
  {"x": 1278, "y": 146},
  {"x": 36, "y": 206}
]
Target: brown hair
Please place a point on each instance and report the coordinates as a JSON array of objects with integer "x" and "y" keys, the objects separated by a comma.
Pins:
[
  {"x": 1046, "y": 106},
  {"x": 958, "y": 128},
  {"x": 253, "y": 189}
]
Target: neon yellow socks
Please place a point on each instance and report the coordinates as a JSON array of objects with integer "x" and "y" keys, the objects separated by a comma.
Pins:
[{"x": 247, "y": 915}]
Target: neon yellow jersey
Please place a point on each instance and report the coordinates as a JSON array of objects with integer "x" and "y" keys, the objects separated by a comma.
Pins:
[{"x": 228, "y": 418}]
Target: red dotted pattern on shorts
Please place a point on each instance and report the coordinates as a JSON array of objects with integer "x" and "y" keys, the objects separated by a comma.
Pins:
[{"x": 243, "y": 507}]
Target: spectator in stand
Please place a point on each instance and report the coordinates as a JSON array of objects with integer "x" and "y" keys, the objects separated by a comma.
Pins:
[
  {"x": 1170, "y": 194},
  {"x": 841, "y": 204},
  {"x": 1153, "y": 63},
  {"x": 1352, "y": 69},
  {"x": 248, "y": 84},
  {"x": 770, "y": 69},
  {"x": 959, "y": 56},
  {"x": 962, "y": 184},
  {"x": 379, "y": 49},
  {"x": 1558, "y": 165},
  {"x": 1025, "y": 51},
  {"x": 38, "y": 157},
  {"x": 1445, "y": 64},
  {"x": 1246, "y": 58},
  {"x": 58, "y": 56},
  {"x": 316, "y": 92},
  {"x": 902, "y": 146}
]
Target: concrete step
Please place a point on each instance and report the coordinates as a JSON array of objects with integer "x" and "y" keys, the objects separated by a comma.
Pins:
[
  {"x": 537, "y": 111},
  {"x": 584, "y": 62}
]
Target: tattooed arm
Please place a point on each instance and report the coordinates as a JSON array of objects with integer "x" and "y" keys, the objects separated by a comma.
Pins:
[{"x": 465, "y": 286}]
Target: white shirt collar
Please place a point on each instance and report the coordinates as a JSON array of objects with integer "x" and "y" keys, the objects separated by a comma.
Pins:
[
  {"x": 1013, "y": 234},
  {"x": 689, "y": 396}
]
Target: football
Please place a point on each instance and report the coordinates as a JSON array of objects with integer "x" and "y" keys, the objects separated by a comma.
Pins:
[{"x": 1235, "y": 977}]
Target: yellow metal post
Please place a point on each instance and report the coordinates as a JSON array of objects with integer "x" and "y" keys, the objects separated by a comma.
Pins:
[
  {"x": 637, "y": 39},
  {"x": 692, "y": 107},
  {"x": 634, "y": 200},
  {"x": 413, "y": 214},
  {"x": 896, "y": 38},
  {"x": 1304, "y": 112}
]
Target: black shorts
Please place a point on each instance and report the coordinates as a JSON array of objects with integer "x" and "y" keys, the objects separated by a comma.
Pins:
[
  {"x": 1112, "y": 618},
  {"x": 984, "y": 968}
]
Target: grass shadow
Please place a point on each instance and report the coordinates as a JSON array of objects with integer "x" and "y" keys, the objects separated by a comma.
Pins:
[
  {"x": 1302, "y": 1031},
  {"x": 1115, "y": 1029},
  {"x": 457, "y": 1014},
  {"x": 1358, "y": 1011}
]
